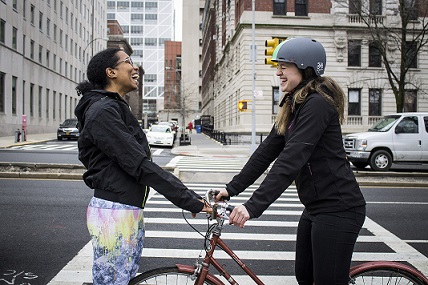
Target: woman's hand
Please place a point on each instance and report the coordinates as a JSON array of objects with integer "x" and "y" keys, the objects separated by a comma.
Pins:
[
  {"x": 222, "y": 195},
  {"x": 207, "y": 208},
  {"x": 239, "y": 216}
]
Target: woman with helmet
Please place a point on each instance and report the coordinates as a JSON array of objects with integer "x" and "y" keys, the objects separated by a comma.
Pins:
[{"x": 306, "y": 142}]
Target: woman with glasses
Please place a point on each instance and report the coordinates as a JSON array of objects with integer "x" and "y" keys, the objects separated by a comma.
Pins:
[{"x": 115, "y": 151}]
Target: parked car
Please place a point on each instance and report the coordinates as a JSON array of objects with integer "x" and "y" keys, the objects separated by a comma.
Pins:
[
  {"x": 396, "y": 138},
  {"x": 68, "y": 129},
  {"x": 173, "y": 126},
  {"x": 160, "y": 135}
]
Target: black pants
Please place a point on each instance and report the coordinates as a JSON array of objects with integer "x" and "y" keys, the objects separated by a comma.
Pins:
[{"x": 324, "y": 247}]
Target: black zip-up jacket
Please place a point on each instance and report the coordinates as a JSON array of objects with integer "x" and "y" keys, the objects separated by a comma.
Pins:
[
  {"x": 116, "y": 154},
  {"x": 310, "y": 153}
]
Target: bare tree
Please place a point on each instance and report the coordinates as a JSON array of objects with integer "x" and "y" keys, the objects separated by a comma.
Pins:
[
  {"x": 398, "y": 42},
  {"x": 183, "y": 102}
]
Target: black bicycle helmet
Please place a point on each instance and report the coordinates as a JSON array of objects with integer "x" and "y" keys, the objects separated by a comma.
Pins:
[{"x": 303, "y": 52}]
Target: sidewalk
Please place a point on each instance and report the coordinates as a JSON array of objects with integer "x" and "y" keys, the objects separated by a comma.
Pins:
[
  {"x": 202, "y": 145},
  {"x": 9, "y": 141}
]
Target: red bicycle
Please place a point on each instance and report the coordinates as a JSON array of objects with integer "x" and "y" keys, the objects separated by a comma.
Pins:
[{"x": 379, "y": 272}]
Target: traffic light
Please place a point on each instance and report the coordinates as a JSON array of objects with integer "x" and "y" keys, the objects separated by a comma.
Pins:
[
  {"x": 243, "y": 105},
  {"x": 270, "y": 48}
]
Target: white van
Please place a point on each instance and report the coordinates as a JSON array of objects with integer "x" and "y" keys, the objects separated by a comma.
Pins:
[{"x": 396, "y": 138}]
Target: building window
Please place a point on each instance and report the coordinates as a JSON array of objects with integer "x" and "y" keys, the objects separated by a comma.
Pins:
[
  {"x": 150, "y": 6},
  {"x": 110, "y": 5},
  {"x": 123, "y": 6},
  {"x": 48, "y": 27},
  {"x": 24, "y": 8},
  {"x": 279, "y": 7},
  {"x": 410, "y": 9},
  {"x": 60, "y": 106},
  {"x": 39, "y": 109},
  {"x": 136, "y": 41},
  {"x": 32, "y": 49},
  {"x": 137, "y": 29},
  {"x": 14, "y": 38},
  {"x": 137, "y": 17},
  {"x": 276, "y": 96},
  {"x": 150, "y": 77},
  {"x": 32, "y": 10},
  {"x": 354, "y": 102},
  {"x": 354, "y": 53},
  {"x": 2, "y": 91},
  {"x": 47, "y": 103},
  {"x": 375, "y": 102},
  {"x": 40, "y": 53},
  {"x": 411, "y": 55},
  {"x": 355, "y": 7},
  {"x": 48, "y": 55},
  {"x": 375, "y": 59},
  {"x": 138, "y": 6},
  {"x": 53, "y": 105},
  {"x": 41, "y": 22},
  {"x": 151, "y": 18},
  {"x": 23, "y": 44},
  {"x": 2, "y": 30},
  {"x": 150, "y": 41},
  {"x": 301, "y": 8},
  {"x": 375, "y": 7},
  {"x": 14, "y": 99},
  {"x": 410, "y": 101},
  {"x": 32, "y": 100}
]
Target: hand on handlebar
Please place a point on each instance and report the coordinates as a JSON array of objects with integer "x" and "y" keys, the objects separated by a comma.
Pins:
[
  {"x": 222, "y": 195},
  {"x": 207, "y": 208},
  {"x": 239, "y": 216}
]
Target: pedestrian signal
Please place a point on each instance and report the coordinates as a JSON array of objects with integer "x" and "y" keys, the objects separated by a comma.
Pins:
[{"x": 242, "y": 105}]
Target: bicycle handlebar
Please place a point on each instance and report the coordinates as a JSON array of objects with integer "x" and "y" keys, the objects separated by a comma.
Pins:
[{"x": 220, "y": 209}]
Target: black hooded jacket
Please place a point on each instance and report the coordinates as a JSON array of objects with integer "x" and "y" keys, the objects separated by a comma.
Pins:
[
  {"x": 311, "y": 153},
  {"x": 116, "y": 154}
]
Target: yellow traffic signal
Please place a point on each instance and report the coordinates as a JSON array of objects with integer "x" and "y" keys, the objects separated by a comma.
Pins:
[
  {"x": 242, "y": 105},
  {"x": 270, "y": 48}
]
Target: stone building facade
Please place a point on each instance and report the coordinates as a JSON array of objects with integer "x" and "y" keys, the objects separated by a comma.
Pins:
[{"x": 227, "y": 68}]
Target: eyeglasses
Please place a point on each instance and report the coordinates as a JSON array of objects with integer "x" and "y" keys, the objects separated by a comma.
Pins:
[{"x": 128, "y": 60}]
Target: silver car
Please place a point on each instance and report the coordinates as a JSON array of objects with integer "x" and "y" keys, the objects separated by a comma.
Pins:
[{"x": 68, "y": 129}]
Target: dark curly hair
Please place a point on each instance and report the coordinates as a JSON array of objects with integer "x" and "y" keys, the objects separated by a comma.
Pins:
[{"x": 97, "y": 78}]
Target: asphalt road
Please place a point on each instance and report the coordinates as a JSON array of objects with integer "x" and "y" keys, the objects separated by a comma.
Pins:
[{"x": 43, "y": 227}]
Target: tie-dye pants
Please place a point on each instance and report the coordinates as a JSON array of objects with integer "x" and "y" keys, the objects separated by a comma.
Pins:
[{"x": 117, "y": 233}]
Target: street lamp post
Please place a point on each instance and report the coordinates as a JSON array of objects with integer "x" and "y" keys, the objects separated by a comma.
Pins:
[
  {"x": 93, "y": 40},
  {"x": 92, "y": 53}
]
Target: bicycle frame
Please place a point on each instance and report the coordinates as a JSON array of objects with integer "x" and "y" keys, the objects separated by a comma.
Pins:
[
  {"x": 209, "y": 259},
  {"x": 201, "y": 271}
]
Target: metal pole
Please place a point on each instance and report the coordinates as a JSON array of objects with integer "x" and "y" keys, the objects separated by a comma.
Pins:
[{"x": 253, "y": 50}]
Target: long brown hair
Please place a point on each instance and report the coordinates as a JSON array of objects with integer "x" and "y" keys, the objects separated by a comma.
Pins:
[{"x": 325, "y": 86}]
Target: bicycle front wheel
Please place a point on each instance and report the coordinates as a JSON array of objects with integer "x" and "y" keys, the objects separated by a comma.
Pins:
[
  {"x": 165, "y": 276},
  {"x": 380, "y": 276}
]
